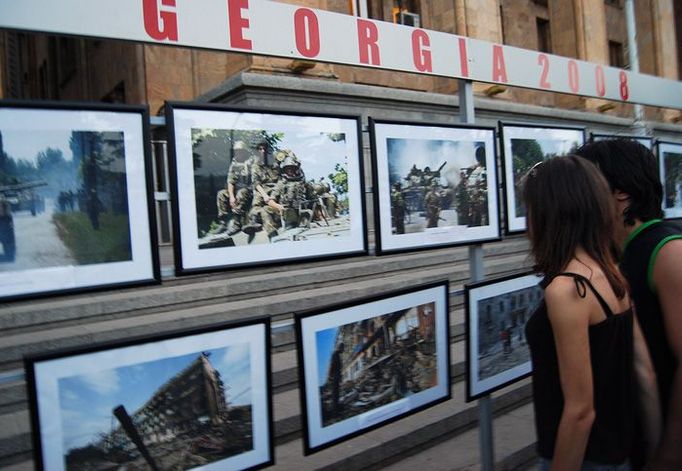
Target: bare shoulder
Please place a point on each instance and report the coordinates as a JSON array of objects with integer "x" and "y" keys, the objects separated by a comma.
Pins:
[
  {"x": 669, "y": 259},
  {"x": 562, "y": 297},
  {"x": 561, "y": 289},
  {"x": 568, "y": 313}
]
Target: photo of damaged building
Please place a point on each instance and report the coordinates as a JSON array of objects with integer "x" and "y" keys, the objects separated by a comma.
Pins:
[
  {"x": 187, "y": 422},
  {"x": 501, "y": 330},
  {"x": 380, "y": 360}
]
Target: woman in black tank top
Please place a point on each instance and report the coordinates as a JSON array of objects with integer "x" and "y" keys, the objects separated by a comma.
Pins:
[{"x": 583, "y": 338}]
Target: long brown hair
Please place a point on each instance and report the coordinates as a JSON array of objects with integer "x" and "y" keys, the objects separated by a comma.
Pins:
[{"x": 570, "y": 205}]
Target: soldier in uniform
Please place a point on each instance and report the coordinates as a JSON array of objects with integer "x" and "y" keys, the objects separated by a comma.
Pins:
[
  {"x": 290, "y": 198},
  {"x": 472, "y": 193},
  {"x": 477, "y": 188},
  {"x": 326, "y": 199},
  {"x": 398, "y": 208},
  {"x": 235, "y": 199},
  {"x": 264, "y": 177},
  {"x": 432, "y": 203}
]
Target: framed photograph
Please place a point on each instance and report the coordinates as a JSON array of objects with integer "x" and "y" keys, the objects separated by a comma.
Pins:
[
  {"x": 496, "y": 315},
  {"x": 256, "y": 188},
  {"x": 435, "y": 185},
  {"x": 524, "y": 145},
  {"x": 368, "y": 363},
  {"x": 194, "y": 400},
  {"x": 670, "y": 165},
  {"x": 645, "y": 141},
  {"x": 75, "y": 198}
]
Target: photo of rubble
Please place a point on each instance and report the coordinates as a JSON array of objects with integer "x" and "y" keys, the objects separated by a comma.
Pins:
[
  {"x": 437, "y": 183},
  {"x": 266, "y": 186},
  {"x": 175, "y": 413},
  {"x": 376, "y": 361},
  {"x": 501, "y": 330}
]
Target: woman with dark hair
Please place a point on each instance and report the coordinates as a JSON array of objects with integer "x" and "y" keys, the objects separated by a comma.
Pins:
[{"x": 585, "y": 344}]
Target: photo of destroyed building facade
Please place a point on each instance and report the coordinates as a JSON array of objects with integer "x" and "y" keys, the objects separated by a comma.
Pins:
[
  {"x": 187, "y": 422},
  {"x": 380, "y": 360},
  {"x": 501, "y": 330}
]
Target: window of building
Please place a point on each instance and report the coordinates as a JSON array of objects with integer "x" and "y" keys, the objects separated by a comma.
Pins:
[
  {"x": 544, "y": 35},
  {"x": 540, "y": 2},
  {"x": 616, "y": 54},
  {"x": 615, "y": 3},
  {"x": 406, "y": 12}
]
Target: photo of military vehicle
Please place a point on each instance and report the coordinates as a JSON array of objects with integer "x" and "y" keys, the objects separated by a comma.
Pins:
[{"x": 14, "y": 198}]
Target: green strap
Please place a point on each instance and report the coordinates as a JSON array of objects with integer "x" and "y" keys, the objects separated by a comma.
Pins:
[
  {"x": 642, "y": 226},
  {"x": 652, "y": 260}
]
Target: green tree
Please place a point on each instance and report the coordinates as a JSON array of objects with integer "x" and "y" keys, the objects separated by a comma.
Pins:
[
  {"x": 339, "y": 179},
  {"x": 526, "y": 153}
]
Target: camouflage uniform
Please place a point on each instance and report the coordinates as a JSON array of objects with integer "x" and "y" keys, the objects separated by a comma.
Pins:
[
  {"x": 477, "y": 187},
  {"x": 239, "y": 177},
  {"x": 398, "y": 209},
  {"x": 266, "y": 176},
  {"x": 294, "y": 194},
  {"x": 432, "y": 204},
  {"x": 322, "y": 193}
]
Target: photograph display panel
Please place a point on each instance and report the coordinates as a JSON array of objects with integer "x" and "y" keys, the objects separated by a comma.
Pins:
[
  {"x": 524, "y": 146},
  {"x": 435, "y": 185},
  {"x": 369, "y": 363},
  {"x": 74, "y": 199},
  {"x": 496, "y": 315},
  {"x": 645, "y": 141},
  {"x": 195, "y": 401},
  {"x": 670, "y": 165},
  {"x": 265, "y": 188}
]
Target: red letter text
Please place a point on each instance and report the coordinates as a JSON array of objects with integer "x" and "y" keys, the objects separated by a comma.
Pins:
[
  {"x": 368, "y": 35},
  {"x": 543, "y": 60},
  {"x": 463, "y": 59},
  {"x": 153, "y": 17},
  {"x": 599, "y": 80},
  {"x": 420, "y": 51},
  {"x": 499, "y": 69},
  {"x": 573, "y": 77},
  {"x": 238, "y": 23},
  {"x": 307, "y": 32}
]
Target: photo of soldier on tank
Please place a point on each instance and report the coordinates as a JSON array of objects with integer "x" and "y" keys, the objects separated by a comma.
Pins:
[
  {"x": 268, "y": 196},
  {"x": 436, "y": 184}
]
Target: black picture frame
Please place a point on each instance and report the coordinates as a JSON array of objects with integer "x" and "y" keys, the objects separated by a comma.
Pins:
[
  {"x": 497, "y": 354},
  {"x": 646, "y": 141},
  {"x": 397, "y": 325},
  {"x": 670, "y": 169},
  {"x": 329, "y": 220},
  {"x": 564, "y": 139},
  {"x": 76, "y": 211},
  {"x": 464, "y": 200},
  {"x": 84, "y": 402}
]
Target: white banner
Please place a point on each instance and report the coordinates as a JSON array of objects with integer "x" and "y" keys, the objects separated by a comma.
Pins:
[{"x": 283, "y": 30}]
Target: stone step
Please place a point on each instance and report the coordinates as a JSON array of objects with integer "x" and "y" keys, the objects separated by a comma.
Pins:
[
  {"x": 14, "y": 346},
  {"x": 199, "y": 290}
]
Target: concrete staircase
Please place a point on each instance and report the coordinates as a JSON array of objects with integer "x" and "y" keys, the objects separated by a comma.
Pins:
[{"x": 442, "y": 437}]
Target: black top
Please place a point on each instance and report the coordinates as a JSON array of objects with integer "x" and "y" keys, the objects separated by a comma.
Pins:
[
  {"x": 637, "y": 266},
  {"x": 612, "y": 358}
]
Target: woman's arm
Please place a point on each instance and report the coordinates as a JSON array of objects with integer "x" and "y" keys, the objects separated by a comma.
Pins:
[
  {"x": 570, "y": 315},
  {"x": 647, "y": 389}
]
